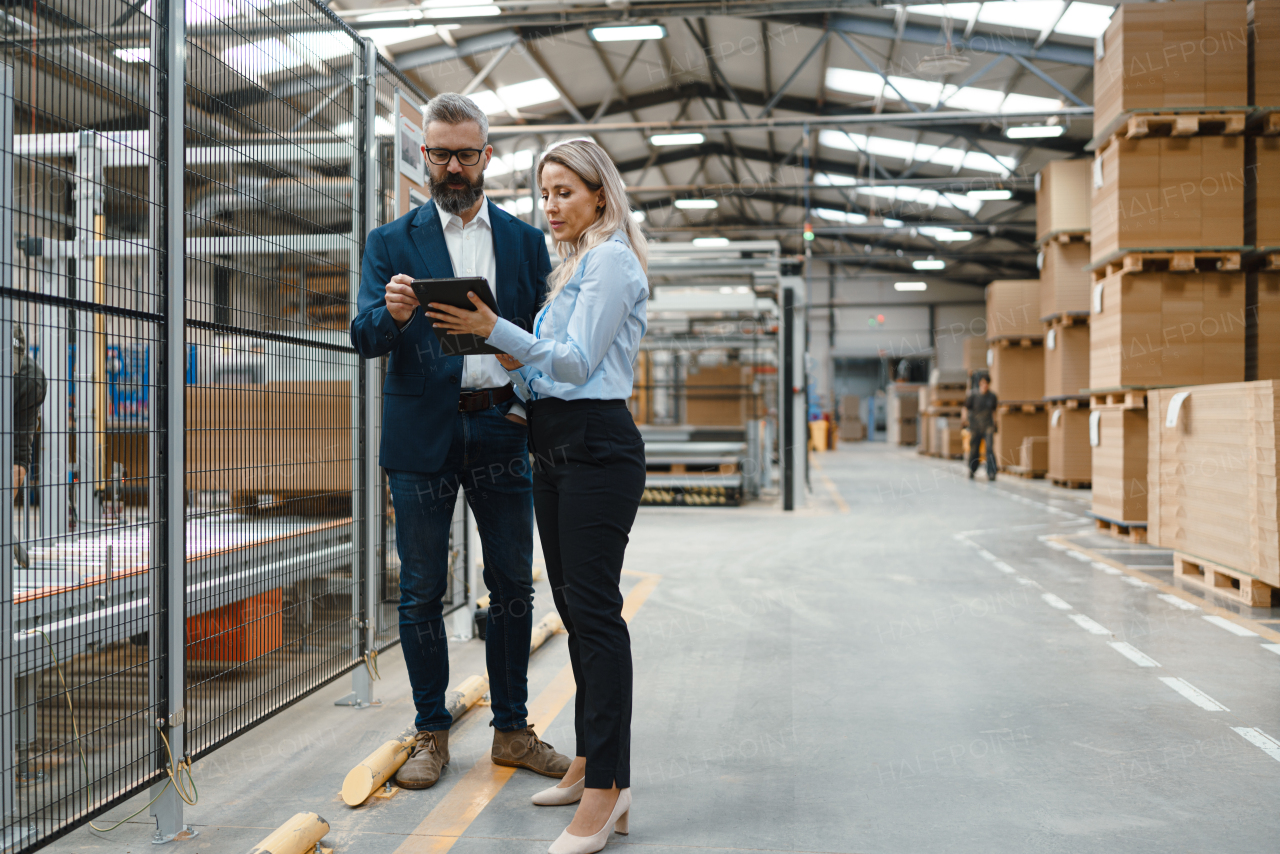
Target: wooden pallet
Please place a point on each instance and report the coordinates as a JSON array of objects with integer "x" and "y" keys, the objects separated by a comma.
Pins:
[
  {"x": 1066, "y": 236},
  {"x": 1070, "y": 484},
  {"x": 291, "y": 502},
  {"x": 1123, "y": 398},
  {"x": 1134, "y": 533},
  {"x": 1026, "y": 473},
  {"x": 1172, "y": 260},
  {"x": 1265, "y": 122},
  {"x": 1016, "y": 341},
  {"x": 682, "y": 468},
  {"x": 1028, "y": 406},
  {"x": 1269, "y": 256},
  {"x": 1066, "y": 318},
  {"x": 1223, "y": 579},
  {"x": 1191, "y": 122},
  {"x": 1069, "y": 402}
]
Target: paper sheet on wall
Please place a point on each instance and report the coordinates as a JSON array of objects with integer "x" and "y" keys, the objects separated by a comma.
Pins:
[
  {"x": 1095, "y": 425},
  {"x": 1175, "y": 406}
]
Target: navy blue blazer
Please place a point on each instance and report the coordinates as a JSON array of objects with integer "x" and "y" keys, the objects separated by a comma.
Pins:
[{"x": 420, "y": 395}]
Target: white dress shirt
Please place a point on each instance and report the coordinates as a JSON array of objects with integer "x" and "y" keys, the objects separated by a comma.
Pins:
[{"x": 471, "y": 252}]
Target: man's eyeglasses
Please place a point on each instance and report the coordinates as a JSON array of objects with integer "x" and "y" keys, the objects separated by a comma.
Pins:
[{"x": 466, "y": 156}]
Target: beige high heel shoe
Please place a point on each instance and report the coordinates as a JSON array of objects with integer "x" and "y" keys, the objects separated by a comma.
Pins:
[
  {"x": 558, "y": 796},
  {"x": 567, "y": 843}
]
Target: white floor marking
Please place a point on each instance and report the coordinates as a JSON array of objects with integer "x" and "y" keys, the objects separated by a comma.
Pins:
[
  {"x": 1078, "y": 556},
  {"x": 1234, "y": 628},
  {"x": 1133, "y": 654},
  {"x": 1089, "y": 625},
  {"x": 1257, "y": 737},
  {"x": 1194, "y": 694},
  {"x": 986, "y": 555},
  {"x": 1058, "y": 546},
  {"x": 1176, "y": 602},
  {"x": 1274, "y": 647},
  {"x": 1027, "y": 581},
  {"x": 1136, "y": 582},
  {"x": 1055, "y": 601},
  {"x": 1004, "y": 567},
  {"x": 1106, "y": 567}
]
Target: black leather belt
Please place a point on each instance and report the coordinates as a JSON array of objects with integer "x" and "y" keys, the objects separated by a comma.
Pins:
[{"x": 475, "y": 401}]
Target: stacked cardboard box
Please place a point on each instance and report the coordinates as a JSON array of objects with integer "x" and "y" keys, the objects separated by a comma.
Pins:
[
  {"x": 1066, "y": 358},
  {"x": 902, "y": 413},
  {"x": 947, "y": 441},
  {"x": 852, "y": 428},
  {"x": 1064, "y": 275},
  {"x": 1070, "y": 455},
  {"x": 721, "y": 395},
  {"x": 1171, "y": 55},
  {"x": 1013, "y": 309},
  {"x": 975, "y": 354},
  {"x": 1062, "y": 199},
  {"x": 1212, "y": 484},
  {"x": 1017, "y": 369},
  {"x": 1167, "y": 328},
  {"x": 1168, "y": 192},
  {"x": 1015, "y": 424},
  {"x": 1119, "y": 442},
  {"x": 1033, "y": 456}
]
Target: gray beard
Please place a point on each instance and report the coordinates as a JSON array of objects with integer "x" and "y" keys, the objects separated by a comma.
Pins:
[{"x": 453, "y": 201}]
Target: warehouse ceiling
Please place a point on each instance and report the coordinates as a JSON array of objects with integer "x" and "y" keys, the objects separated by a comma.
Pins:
[
  {"x": 901, "y": 133},
  {"x": 904, "y": 187}
]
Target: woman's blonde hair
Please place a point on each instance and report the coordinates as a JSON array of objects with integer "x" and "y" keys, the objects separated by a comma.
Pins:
[{"x": 588, "y": 161}]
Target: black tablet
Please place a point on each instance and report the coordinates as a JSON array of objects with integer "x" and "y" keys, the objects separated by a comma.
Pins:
[{"x": 454, "y": 292}]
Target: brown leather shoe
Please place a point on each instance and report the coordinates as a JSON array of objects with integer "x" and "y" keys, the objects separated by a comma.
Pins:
[
  {"x": 522, "y": 748},
  {"x": 423, "y": 767}
]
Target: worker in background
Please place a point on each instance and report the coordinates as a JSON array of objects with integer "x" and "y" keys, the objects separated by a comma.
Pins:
[
  {"x": 29, "y": 388},
  {"x": 980, "y": 417}
]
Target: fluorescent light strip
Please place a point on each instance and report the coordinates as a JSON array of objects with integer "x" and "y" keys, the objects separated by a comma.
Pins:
[
  {"x": 639, "y": 32},
  {"x": 1034, "y": 131},
  {"x": 910, "y": 286},
  {"x": 929, "y": 265},
  {"x": 677, "y": 139},
  {"x": 696, "y": 204}
]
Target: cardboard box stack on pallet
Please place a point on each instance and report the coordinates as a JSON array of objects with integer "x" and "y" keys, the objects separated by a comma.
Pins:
[
  {"x": 1062, "y": 229},
  {"x": 941, "y": 403},
  {"x": 1212, "y": 478},
  {"x": 1015, "y": 362},
  {"x": 1168, "y": 289},
  {"x": 902, "y": 413},
  {"x": 1212, "y": 486},
  {"x": 852, "y": 428}
]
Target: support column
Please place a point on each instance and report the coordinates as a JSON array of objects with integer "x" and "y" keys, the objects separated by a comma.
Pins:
[
  {"x": 89, "y": 376},
  {"x": 793, "y": 428},
  {"x": 168, "y": 424}
]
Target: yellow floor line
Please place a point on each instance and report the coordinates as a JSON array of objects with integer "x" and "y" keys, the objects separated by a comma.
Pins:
[
  {"x": 1203, "y": 603},
  {"x": 829, "y": 484},
  {"x": 445, "y": 824}
]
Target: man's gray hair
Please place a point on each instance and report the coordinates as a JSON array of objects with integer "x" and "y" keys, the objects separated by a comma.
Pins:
[{"x": 454, "y": 109}]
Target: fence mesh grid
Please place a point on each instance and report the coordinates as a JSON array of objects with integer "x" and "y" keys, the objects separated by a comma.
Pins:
[{"x": 277, "y": 526}]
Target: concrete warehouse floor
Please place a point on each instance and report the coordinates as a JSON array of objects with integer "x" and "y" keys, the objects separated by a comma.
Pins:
[{"x": 896, "y": 668}]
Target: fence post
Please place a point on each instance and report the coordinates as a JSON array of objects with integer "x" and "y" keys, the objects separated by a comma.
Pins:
[
  {"x": 168, "y": 553},
  {"x": 364, "y": 474}
]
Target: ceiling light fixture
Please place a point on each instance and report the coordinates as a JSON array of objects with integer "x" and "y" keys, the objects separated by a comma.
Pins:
[
  {"x": 713, "y": 241},
  {"x": 929, "y": 264},
  {"x": 1034, "y": 131},
  {"x": 677, "y": 139},
  {"x": 634, "y": 33},
  {"x": 696, "y": 204},
  {"x": 990, "y": 195},
  {"x": 909, "y": 286}
]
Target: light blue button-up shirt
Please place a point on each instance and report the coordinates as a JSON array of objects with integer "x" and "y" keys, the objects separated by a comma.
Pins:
[{"x": 585, "y": 341}]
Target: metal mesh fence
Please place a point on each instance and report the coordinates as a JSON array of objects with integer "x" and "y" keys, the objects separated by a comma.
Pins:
[{"x": 199, "y": 533}]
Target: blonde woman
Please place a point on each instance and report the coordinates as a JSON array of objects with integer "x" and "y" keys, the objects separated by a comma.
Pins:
[{"x": 574, "y": 374}]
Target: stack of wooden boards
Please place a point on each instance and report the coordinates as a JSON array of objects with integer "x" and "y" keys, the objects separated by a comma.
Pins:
[
  {"x": 941, "y": 404},
  {"x": 1063, "y": 234},
  {"x": 1175, "y": 215}
]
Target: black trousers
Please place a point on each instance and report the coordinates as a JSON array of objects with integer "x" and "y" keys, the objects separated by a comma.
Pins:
[
  {"x": 588, "y": 477},
  {"x": 989, "y": 437}
]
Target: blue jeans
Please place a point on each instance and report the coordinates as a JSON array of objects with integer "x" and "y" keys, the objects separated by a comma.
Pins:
[{"x": 489, "y": 458}]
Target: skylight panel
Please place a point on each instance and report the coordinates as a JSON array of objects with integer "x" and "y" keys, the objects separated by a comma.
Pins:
[
  {"x": 920, "y": 91},
  {"x": 1024, "y": 14},
  {"x": 488, "y": 101},
  {"x": 854, "y": 82},
  {"x": 963, "y": 202},
  {"x": 972, "y": 98},
  {"x": 325, "y": 45},
  {"x": 528, "y": 93},
  {"x": 840, "y": 216},
  {"x": 260, "y": 57},
  {"x": 983, "y": 162},
  {"x": 957, "y": 11},
  {"x": 824, "y": 179},
  {"x": 1089, "y": 20},
  {"x": 1016, "y": 103},
  {"x": 899, "y": 148}
]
